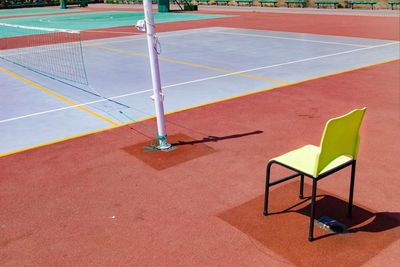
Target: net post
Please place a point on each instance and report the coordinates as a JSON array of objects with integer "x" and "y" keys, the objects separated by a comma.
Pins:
[
  {"x": 158, "y": 96},
  {"x": 63, "y": 4},
  {"x": 163, "y": 5}
]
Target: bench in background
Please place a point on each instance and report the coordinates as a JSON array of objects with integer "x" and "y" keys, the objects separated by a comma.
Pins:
[
  {"x": 303, "y": 3},
  {"x": 393, "y": 3},
  {"x": 203, "y": 1},
  {"x": 352, "y": 3},
  {"x": 249, "y": 2},
  {"x": 334, "y": 3},
  {"x": 274, "y": 2},
  {"x": 222, "y": 2}
]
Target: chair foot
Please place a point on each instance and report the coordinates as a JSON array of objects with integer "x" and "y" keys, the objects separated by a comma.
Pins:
[
  {"x": 301, "y": 195},
  {"x": 312, "y": 212},
  {"x": 353, "y": 174},
  {"x": 267, "y": 185}
]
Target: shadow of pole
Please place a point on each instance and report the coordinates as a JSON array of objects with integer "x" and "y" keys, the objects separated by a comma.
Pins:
[{"x": 212, "y": 138}]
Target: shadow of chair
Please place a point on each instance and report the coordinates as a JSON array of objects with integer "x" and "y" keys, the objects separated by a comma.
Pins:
[{"x": 361, "y": 221}]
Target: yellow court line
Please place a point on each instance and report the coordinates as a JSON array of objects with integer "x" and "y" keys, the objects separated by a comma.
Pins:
[
  {"x": 57, "y": 141},
  {"x": 193, "y": 107},
  {"x": 129, "y": 52},
  {"x": 282, "y": 86},
  {"x": 59, "y": 96},
  {"x": 72, "y": 137}
]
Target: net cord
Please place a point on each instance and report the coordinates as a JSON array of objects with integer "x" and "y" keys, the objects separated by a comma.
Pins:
[
  {"x": 49, "y": 30},
  {"x": 157, "y": 49}
]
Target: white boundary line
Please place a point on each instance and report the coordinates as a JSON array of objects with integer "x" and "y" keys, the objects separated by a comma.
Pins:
[
  {"x": 221, "y": 30},
  {"x": 111, "y": 32},
  {"x": 39, "y": 28},
  {"x": 314, "y": 58},
  {"x": 290, "y": 39},
  {"x": 137, "y": 37},
  {"x": 73, "y": 106},
  {"x": 199, "y": 80}
]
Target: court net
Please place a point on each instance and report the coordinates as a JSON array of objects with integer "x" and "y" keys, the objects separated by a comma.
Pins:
[{"x": 55, "y": 53}]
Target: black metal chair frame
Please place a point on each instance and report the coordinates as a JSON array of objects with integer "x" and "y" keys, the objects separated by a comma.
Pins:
[{"x": 268, "y": 184}]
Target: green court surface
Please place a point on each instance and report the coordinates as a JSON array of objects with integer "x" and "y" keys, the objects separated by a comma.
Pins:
[
  {"x": 33, "y": 11},
  {"x": 97, "y": 20}
]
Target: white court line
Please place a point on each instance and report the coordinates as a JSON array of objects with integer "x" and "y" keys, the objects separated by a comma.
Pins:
[
  {"x": 40, "y": 28},
  {"x": 208, "y": 30},
  {"x": 111, "y": 32},
  {"x": 290, "y": 39},
  {"x": 138, "y": 37},
  {"x": 41, "y": 49},
  {"x": 73, "y": 106},
  {"x": 313, "y": 58},
  {"x": 199, "y": 80}
]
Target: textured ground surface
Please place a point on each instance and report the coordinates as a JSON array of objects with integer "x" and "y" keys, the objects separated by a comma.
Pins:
[
  {"x": 95, "y": 200},
  {"x": 101, "y": 200}
]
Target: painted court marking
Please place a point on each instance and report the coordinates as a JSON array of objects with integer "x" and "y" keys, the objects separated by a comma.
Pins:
[
  {"x": 179, "y": 84},
  {"x": 289, "y": 38},
  {"x": 201, "y": 80},
  {"x": 176, "y": 111},
  {"x": 58, "y": 96},
  {"x": 74, "y": 106},
  {"x": 140, "y": 36},
  {"x": 242, "y": 90},
  {"x": 181, "y": 62}
]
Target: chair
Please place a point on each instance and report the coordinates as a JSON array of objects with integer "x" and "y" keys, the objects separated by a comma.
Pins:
[{"x": 338, "y": 149}]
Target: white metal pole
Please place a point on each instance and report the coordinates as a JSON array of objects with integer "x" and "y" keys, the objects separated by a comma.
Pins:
[{"x": 155, "y": 74}]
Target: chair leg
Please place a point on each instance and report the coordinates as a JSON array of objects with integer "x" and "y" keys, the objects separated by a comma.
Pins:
[
  {"x": 312, "y": 213},
  {"x": 301, "y": 196},
  {"x": 267, "y": 178},
  {"x": 353, "y": 174}
]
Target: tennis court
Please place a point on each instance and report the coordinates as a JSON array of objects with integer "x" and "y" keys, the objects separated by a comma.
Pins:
[
  {"x": 237, "y": 93},
  {"x": 34, "y": 11},
  {"x": 212, "y": 63},
  {"x": 104, "y": 19}
]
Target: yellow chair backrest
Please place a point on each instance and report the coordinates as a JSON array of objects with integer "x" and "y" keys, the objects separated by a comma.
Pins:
[{"x": 341, "y": 137}]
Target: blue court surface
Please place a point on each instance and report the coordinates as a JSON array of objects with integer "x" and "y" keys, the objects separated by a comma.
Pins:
[
  {"x": 99, "y": 20},
  {"x": 197, "y": 67},
  {"x": 34, "y": 11}
]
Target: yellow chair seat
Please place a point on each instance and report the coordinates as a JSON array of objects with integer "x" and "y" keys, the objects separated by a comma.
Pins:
[{"x": 305, "y": 159}]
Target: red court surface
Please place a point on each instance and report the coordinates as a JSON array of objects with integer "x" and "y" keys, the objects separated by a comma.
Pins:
[
  {"x": 91, "y": 201},
  {"x": 356, "y": 25},
  {"x": 284, "y": 226},
  {"x": 100, "y": 200},
  {"x": 353, "y": 26}
]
